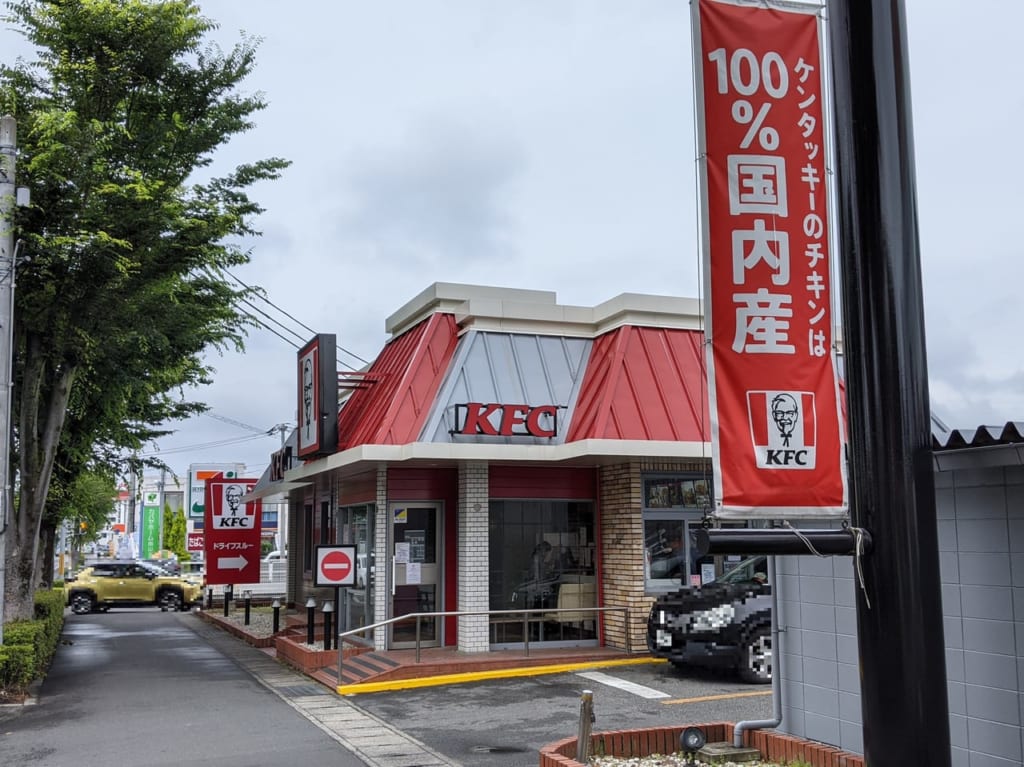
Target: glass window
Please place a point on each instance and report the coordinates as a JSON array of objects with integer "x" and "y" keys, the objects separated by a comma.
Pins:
[
  {"x": 541, "y": 557},
  {"x": 673, "y": 508},
  {"x": 355, "y": 527}
]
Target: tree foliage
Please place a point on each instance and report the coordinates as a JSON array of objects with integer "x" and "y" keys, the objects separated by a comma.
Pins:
[
  {"x": 175, "y": 530},
  {"x": 119, "y": 117}
]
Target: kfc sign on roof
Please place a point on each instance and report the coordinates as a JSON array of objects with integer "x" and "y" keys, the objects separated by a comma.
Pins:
[{"x": 498, "y": 420}]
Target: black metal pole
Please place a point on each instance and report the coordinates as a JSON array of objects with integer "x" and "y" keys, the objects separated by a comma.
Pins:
[
  {"x": 248, "y": 606},
  {"x": 229, "y": 593},
  {"x": 781, "y": 541},
  {"x": 310, "y": 621},
  {"x": 902, "y": 654},
  {"x": 209, "y": 598},
  {"x": 277, "y": 615},
  {"x": 328, "y": 608}
]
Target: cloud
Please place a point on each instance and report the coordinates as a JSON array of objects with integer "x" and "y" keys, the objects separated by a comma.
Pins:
[{"x": 439, "y": 195}]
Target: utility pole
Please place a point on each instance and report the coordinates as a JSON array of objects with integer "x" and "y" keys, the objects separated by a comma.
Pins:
[{"x": 8, "y": 200}]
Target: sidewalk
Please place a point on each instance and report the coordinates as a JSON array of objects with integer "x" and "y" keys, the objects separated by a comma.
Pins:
[{"x": 371, "y": 739}]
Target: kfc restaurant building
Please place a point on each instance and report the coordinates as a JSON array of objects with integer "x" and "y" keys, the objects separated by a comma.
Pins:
[{"x": 505, "y": 452}]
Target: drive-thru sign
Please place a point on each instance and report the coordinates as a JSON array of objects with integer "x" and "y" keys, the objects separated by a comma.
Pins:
[
  {"x": 335, "y": 566},
  {"x": 231, "y": 532}
]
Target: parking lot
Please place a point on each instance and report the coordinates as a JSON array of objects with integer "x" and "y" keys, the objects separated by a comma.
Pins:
[{"x": 503, "y": 723}]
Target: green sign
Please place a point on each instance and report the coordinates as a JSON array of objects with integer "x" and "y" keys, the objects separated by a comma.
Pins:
[{"x": 150, "y": 531}]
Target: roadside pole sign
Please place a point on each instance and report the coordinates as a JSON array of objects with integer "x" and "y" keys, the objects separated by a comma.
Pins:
[
  {"x": 152, "y": 524},
  {"x": 231, "y": 532},
  {"x": 335, "y": 566},
  {"x": 195, "y": 490}
]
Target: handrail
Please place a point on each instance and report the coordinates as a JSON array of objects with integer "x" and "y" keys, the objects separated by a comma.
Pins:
[{"x": 526, "y": 612}]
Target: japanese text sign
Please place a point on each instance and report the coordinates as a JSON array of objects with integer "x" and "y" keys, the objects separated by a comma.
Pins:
[
  {"x": 777, "y": 431},
  {"x": 231, "y": 532}
]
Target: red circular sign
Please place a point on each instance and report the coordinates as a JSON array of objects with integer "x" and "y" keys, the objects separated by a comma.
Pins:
[{"x": 335, "y": 566}]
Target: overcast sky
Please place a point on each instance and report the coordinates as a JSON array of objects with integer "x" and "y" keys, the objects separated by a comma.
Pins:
[{"x": 548, "y": 144}]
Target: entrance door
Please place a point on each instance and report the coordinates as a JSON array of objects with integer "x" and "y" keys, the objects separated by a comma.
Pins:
[{"x": 416, "y": 573}]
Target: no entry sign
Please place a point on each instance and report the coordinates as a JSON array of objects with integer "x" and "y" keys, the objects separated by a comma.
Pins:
[{"x": 335, "y": 566}]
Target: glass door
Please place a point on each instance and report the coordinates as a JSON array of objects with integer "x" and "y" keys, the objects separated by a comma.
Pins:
[{"x": 415, "y": 554}]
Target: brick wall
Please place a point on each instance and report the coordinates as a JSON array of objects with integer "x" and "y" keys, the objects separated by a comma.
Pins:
[
  {"x": 622, "y": 546},
  {"x": 382, "y": 581},
  {"x": 622, "y": 554},
  {"x": 473, "y": 505}
]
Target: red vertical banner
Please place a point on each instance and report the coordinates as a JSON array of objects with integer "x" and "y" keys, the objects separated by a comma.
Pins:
[
  {"x": 777, "y": 430},
  {"x": 231, "y": 532}
]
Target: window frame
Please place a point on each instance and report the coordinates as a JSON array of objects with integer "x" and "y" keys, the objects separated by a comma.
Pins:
[{"x": 677, "y": 499}]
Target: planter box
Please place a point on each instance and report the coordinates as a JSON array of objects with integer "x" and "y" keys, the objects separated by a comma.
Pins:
[
  {"x": 773, "y": 746},
  {"x": 292, "y": 649}
]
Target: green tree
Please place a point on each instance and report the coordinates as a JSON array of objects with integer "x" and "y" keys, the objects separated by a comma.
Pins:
[
  {"x": 87, "y": 505},
  {"x": 127, "y": 237},
  {"x": 175, "y": 529}
]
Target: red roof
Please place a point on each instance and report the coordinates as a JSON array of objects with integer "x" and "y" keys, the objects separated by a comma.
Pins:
[
  {"x": 644, "y": 384},
  {"x": 400, "y": 386}
]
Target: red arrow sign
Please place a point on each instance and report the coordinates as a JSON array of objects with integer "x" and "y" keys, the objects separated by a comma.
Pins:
[{"x": 335, "y": 565}]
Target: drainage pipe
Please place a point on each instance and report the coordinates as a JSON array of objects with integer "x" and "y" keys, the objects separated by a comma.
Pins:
[{"x": 758, "y": 724}]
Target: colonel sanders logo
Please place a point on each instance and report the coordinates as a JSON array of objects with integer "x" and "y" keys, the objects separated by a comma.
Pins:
[
  {"x": 231, "y": 513},
  {"x": 782, "y": 429}
]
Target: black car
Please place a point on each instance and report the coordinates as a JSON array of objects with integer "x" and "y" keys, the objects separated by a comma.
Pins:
[{"x": 723, "y": 623}]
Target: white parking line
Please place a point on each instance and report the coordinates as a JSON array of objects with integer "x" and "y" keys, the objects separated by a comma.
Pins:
[{"x": 622, "y": 684}]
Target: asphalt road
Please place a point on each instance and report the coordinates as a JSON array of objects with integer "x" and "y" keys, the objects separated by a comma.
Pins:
[
  {"x": 504, "y": 723},
  {"x": 146, "y": 688},
  {"x": 139, "y": 687}
]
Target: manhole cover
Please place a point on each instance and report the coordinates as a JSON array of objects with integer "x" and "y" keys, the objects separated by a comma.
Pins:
[{"x": 497, "y": 750}]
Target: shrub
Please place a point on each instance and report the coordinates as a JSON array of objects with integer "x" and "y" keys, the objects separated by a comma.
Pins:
[
  {"x": 17, "y": 669},
  {"x": 29, "y": 646}
]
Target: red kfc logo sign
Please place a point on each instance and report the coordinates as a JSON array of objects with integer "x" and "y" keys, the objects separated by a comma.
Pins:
[{"x": 496, "y": 420}]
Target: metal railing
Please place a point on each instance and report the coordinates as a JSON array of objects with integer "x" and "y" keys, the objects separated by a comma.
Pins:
[{"x": 526, "y": 613}]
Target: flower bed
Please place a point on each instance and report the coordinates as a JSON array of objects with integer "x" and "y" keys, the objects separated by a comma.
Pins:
[{"x": 773, "y": 746}]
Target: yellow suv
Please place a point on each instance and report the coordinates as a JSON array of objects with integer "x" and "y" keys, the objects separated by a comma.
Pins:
[{"x": 127, "y": 583}]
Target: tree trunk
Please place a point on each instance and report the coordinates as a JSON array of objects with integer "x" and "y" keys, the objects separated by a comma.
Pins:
[
  {"x": 49, "y": 537},
  {"x": 43, "y": 400}
]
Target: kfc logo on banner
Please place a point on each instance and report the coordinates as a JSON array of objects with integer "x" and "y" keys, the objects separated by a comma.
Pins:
[
  {"x": 231, "y": 512},
  {"x": 782, "y": 429}
]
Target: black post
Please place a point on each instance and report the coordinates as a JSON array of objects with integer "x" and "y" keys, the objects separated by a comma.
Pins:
[
  {"x": 277, "y": 615},
  {"x": 902, "y": 653},
  {"x": 310, "y": 620},
  {"x": 229, "y": 594},
  {"x": 209, "y": 598},
  {"x": 328, "y": 609},
  {"x": 248, "y": 606}
]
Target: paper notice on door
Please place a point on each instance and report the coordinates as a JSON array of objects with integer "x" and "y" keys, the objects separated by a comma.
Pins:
[
  {"x": 413, "y": 573},
  {"x": 401, "y": 553}
]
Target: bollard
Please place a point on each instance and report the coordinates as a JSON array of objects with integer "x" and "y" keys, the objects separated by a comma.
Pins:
[
  {"x": 328, "y": 609},
  {"x": 229, "y": 594},
  {"x": 586, "y": 720},
  {"x": 277, "y": 614},
  {"x": 248, "y": 604},
  {"x": 209, "y": 598},
  {"x": 310, "y": 620}
]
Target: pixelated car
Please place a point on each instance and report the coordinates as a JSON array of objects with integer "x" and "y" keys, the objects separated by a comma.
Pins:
[
  {"x": 725, "y": 623},
  {"x": 127, "y": 583}
]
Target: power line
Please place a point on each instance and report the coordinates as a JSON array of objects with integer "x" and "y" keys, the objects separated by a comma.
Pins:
[
  {"x": 205, "y": 445},
  {"x": 289, "y": 316}
]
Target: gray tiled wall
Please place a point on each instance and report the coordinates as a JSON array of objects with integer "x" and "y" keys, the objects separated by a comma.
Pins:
[{"x": 980, "y": 514}]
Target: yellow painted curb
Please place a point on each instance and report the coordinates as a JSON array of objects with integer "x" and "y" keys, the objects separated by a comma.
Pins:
[
  {"x": 724, "y": 696},
  {"x": 478, "y": 676}
]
